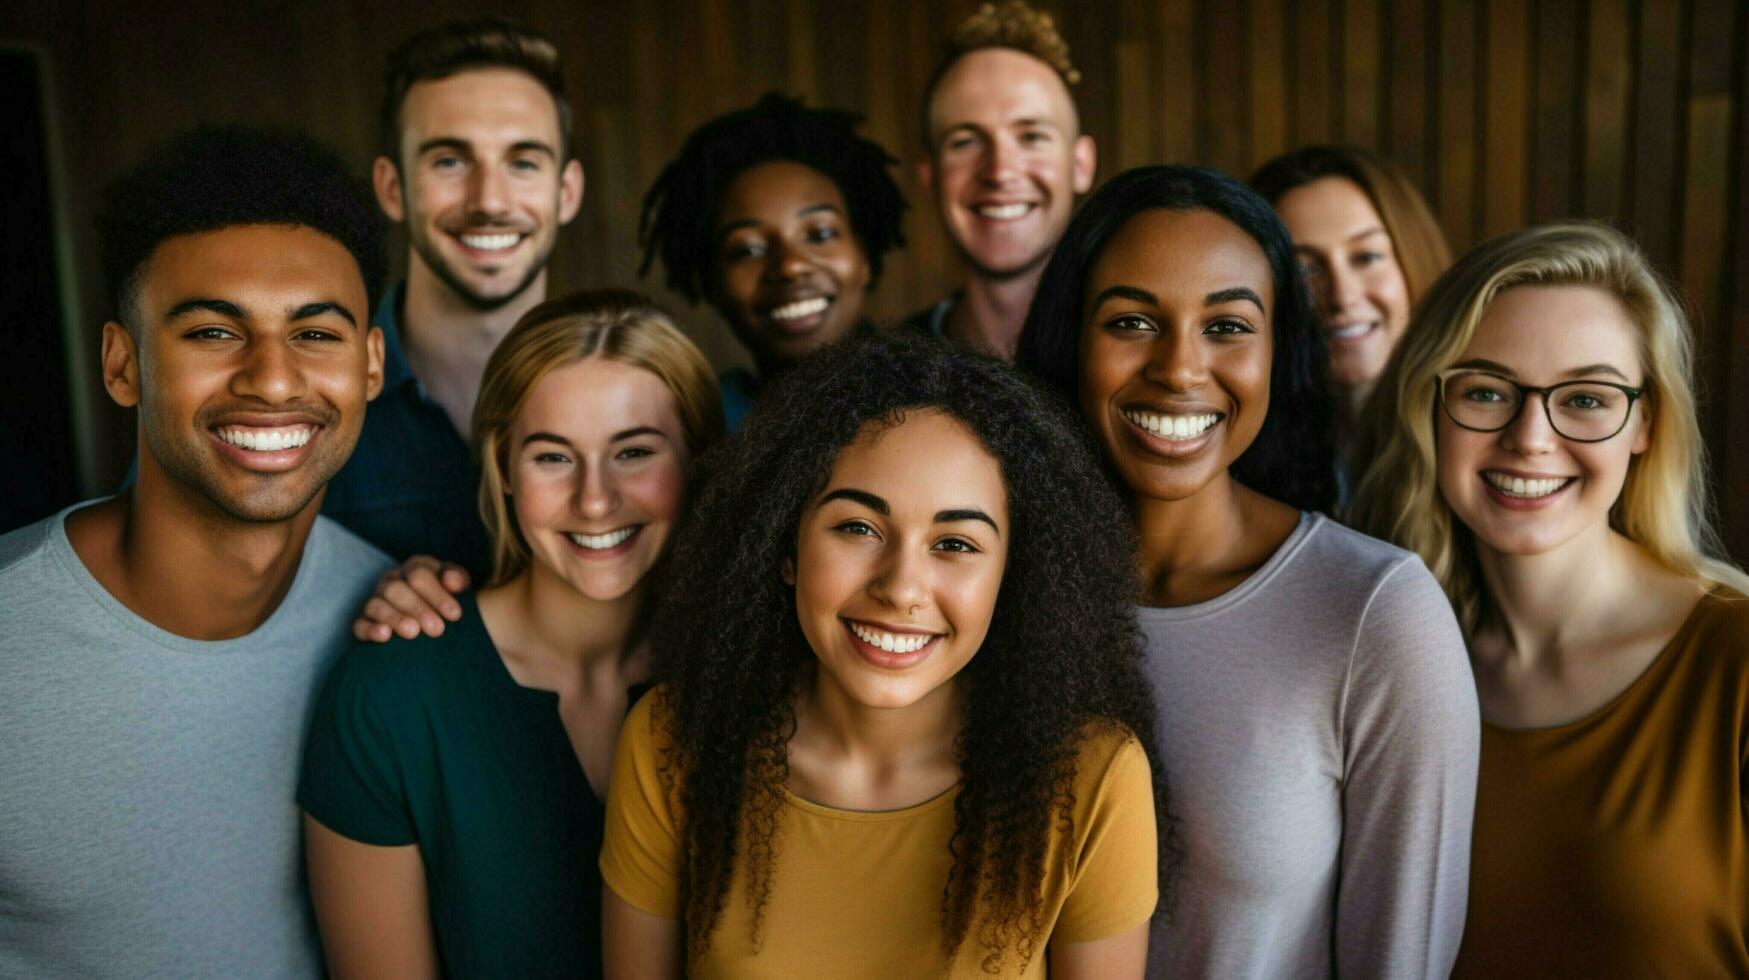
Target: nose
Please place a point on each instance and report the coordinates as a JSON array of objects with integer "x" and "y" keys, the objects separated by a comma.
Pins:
[
  {"x": 786, "y": 262},
  {"x": 902, "y": 582},
  {"x": 488, "y": 191},
  {"x": 270, "y": 373},
  {"x": 1178, "y": 362},
  {"x": 597, "y": 495},
  {"x": 1001, "y": 157},
  {"x": 1530, "y": 434},
  {"x": 1342, "y": 289}
]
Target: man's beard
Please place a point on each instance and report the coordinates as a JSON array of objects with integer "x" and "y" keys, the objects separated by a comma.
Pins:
[
  {"x": 198, "y": 472},
  {"x": 434, "y": 261}
]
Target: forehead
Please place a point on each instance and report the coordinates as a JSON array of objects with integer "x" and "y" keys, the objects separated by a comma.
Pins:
[
  {"x": 1540, "y": 331},
  {"x": 773, "y": 191},
  {"x": 261, "y": 267},
  {"x": 594, "y": 398},
  {"x": 485, "y": 106},
  {"x": 996, "y": 86},
  {"x": 930, "y": 461},
  {"x": 1327, "y": 206},
  {"x": 1181, "y": 256}
]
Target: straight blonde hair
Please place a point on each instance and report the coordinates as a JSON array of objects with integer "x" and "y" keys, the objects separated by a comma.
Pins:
[
  {"x": 615, "y": 324},
  {"x": 1665, "y": 506}
]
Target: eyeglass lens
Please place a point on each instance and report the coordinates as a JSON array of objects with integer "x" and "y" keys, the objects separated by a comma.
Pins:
[{"x": 1578, "y": 410}]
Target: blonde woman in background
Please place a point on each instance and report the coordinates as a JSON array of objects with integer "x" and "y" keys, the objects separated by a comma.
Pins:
[
  {"x": 1535, "y": 441},
  {"x": 452, "y": 785},
  {"x": 1369, "y": 247}
]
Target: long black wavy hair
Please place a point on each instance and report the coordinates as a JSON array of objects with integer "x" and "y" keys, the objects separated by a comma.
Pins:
[
  {"x": 1062, "y": 659},
  {"x": 1291, "y": 458},
  {"x": 679, "y": 218}
]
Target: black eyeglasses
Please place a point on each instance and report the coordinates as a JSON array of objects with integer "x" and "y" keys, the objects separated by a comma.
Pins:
[{"x": 1581, "y": 411}]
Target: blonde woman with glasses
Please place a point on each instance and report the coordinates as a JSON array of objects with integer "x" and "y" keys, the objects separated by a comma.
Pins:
[
  {"x": 452, "y": 784},
  {"x": 1535, "y": 440}
]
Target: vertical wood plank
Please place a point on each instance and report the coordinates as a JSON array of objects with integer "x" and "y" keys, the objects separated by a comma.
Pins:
[
  {"x": 1608, "y": 75},
  {"x": 1268, "y": 90},
  {"x": 1223, "y": 119},
  {"x": 1506, "y": 121},
  {"x": 1180, "y": 81},
  {"x": 1555, "y": 137},
  {"x": 1731, "y": 454},
  {"x": 1455, "y": 186},
  {"x": 1138, "y": 118},
  {"x": 1314, "y": 101},
  {"x": 1655, "y": 198},
  {"x": 1361, "y": 89},
  {"x": 1406, "y": 79}
]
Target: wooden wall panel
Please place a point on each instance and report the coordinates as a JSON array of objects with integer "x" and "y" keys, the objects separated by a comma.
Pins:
[{"x": 1505, "y": 111}]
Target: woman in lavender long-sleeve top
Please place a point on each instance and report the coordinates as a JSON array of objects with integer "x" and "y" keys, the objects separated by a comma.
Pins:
[{"x": 1318, "y": 719}]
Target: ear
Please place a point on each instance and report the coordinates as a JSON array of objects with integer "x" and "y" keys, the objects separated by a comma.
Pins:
[
  {"x": 385, "y": 177},
  {"x": 121, "y": 365},
  {"x": 373, "y": 370},
  {"x": 570, "y": 191},
  {"x": 1643, "y": 428},
  {"x": 788, "y": 571},
  {"x": 1086, "y": 164},
  {"x": 926, "y": 175}
]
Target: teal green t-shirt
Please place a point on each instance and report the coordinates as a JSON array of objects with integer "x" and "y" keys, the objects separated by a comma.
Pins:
[{"x": 432, "y": 742}]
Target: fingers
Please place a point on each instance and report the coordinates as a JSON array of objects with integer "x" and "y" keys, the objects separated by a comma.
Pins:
[
  {"x": 427, "y": 584},
  {"x": 415, "y": 597},
  {"x": 455, "y": 579}
]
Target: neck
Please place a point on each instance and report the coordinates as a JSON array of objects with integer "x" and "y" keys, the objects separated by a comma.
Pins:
[
  {"x": 1350, "y": 403},
  {"x": 183, "y": 565},
  {"x": 447, "y": 341},
  {"x": 571, "y": 630},
  {"x": 1189, "y": 533},
  {"x": 882, "y": 738},
  {"x": 991, "y": 311},
  {"x": 1546, "y": 603}
]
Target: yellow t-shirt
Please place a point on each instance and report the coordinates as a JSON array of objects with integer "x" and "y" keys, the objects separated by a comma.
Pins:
[{"x": 857, "y": 894}]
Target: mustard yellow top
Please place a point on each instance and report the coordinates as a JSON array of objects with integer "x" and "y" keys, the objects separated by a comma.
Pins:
[
  {"x": 858, "y": 894},
  {"x": 1615, "y": 846}
]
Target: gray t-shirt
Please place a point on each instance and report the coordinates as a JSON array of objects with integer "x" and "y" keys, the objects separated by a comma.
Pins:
[
  {"x": 1320, "y": 736},
  {"x": 148, "y": 820}
]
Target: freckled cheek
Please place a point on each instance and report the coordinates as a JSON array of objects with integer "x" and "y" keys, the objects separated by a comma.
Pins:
[{"x": 659, "y": 493}]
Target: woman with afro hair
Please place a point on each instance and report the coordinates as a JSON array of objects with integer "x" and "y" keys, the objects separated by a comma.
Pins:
[
  {"x": 898, "y": 735},
  {"x": 778, "y": 215}
]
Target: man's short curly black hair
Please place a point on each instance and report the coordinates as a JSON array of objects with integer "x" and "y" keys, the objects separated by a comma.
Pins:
[
  {"x": 1063, "y": 656},
  {"x": 213, "y": 177},
  {"x": 680, "y": 210}
]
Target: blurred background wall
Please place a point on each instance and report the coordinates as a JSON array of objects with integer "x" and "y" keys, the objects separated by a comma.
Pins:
[{"x": 1506, "y": 111}]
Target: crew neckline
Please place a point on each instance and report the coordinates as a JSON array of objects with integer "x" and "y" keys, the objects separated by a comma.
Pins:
[{"x": 1254, "y": 583}]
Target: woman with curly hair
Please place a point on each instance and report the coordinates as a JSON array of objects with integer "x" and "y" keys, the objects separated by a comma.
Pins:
[
  {"x": 779, "y": 216},
  {"x": 1319, "y": 723},
  {"x": 898, "y": 736},
  {"x": 1536, "y": 441},
  {"x": 452, "y": 783},
  {"x": 1369, "y": 246}
]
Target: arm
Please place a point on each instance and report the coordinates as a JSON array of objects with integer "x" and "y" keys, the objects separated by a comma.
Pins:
[
  {"x": 370, "y": 905},
  {"x": 1122, "y": 955},
  {"x": 410, "y": 598},
  {"x": 1412, "y": 741},
  {"x": 636, "y": 945}
]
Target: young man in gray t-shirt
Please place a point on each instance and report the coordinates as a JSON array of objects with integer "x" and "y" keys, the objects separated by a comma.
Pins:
[{"x": 160, "y": 648}]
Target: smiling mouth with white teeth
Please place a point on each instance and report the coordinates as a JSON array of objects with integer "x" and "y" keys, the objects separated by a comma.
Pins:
[
  {"x": 800, "y": 309},
  {"x": 1174, "y": 428},
  {"x": 1350, "y": 331},
  {"x": 890, "y": 642},
  {"x": 1003, "y": 212},
  {"x": 603, "y": 542},
  {"x": 258, "y": 439},
  {"x": 1519, "y": 487},
  {"x": 490, "y": 242}
]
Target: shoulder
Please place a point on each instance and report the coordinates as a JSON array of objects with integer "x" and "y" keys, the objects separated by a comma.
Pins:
[
  {"x": 1110, "y": 758},
  {"x": 649, "y": 725},
  {"x": 926, "y": 321},
  {"x": 19, "y": 547},
  {"x": 1360, "y": 562},
  {"x": 341, "y": 553},
  {"x": 1718, "y": 630},
  {"x": 414, "y": 674}
]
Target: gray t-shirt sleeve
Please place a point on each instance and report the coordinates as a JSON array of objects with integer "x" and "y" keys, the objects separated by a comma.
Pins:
[{"x": 1412, "y": 737}]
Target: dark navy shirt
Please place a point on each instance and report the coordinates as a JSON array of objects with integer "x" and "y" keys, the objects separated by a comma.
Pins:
[{"x": 410, "y": 487}]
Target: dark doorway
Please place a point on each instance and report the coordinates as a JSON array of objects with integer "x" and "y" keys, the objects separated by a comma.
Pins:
[{"x": 37, "y": 473}]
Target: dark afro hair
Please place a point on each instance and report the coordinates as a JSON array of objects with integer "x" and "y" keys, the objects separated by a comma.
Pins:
[
  {"x": 213, "y": 177},
  {"x": 680, "y": 210},
  {"x": 1062, "y": 659},
  {"x": 1292, "y": 458}
]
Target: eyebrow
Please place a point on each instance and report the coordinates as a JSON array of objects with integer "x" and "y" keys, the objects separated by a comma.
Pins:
[
  {"x": 879, "y": 506},
  {"x": 323, "y": 308},
  {"x": 642, "y": 430},
  {"x": 1234, "y": 294},
  {"x": 1133, "y": 293},
  {"x": 1374, "y": 230},
  {"x": 800, "y": 213},
  {"x": 203, "y": 304},
  {"x": 1483, "y": 364},
  {"x": 462, "y": 145},
  {"x": 545, "y": 437}
]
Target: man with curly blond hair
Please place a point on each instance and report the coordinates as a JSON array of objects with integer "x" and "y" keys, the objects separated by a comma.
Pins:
[{"x": 1004, "y": 159}]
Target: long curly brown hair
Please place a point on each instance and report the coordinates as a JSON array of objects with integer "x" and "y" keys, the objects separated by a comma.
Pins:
[{"x": 1062, "y": 660}]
